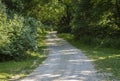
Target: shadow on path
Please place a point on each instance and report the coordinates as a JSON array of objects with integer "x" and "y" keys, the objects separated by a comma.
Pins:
[{"x": 64, "y": 63}]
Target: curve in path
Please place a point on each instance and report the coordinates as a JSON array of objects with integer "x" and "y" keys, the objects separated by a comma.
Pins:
[{"x": 64, "y": 63}]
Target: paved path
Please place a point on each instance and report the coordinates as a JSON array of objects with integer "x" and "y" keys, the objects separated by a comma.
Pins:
[{"x": 64, "y": 63}]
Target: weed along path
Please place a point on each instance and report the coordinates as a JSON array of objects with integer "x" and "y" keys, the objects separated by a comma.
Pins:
[{"x": 64, "y": 63}]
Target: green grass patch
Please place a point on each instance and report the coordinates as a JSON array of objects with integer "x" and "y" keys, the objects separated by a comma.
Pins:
[
  {"x": 13, "y": 70},
  {"x": 105, "y": 59}
]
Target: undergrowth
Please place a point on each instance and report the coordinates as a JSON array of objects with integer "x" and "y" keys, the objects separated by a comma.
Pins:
[{"x": 15, "y": 70}]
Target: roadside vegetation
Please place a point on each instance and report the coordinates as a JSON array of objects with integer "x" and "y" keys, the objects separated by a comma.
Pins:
[
  {"x": 15, "y": 70},
  {"x": 22, "y": 41},
  {"x": 92, "y": 25},
  {"x": 105, "y": 59}
]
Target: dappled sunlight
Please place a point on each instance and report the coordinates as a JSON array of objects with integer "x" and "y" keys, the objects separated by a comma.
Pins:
[
  {"x": 108, "y": 57},
  {"x": 69, "y": 80},
  {"x": 114, "y": 56},
  {"x": 50, "y": 75},
  {"x": 53, "y": 42},
  {"x": 53, "y": 39},
  {"x": 91, "y": 25},
  {"x": 70, "y": 51},
  {"x": 64, "y": 63},
  {"x": 81, "y": 60},
  {"x": 29, "y": 80},
  {"x": 10, "y": 76},
  {"x": 76, "y": 76},
  {"x": 4, "y": 75},
  {"x": 109, "y": 64}
]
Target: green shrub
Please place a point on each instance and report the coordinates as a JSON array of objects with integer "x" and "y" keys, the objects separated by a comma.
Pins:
[{"x": 17, "y": 35}]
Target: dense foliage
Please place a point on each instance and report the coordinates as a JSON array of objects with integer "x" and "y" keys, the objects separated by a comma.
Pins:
[
  {"x": 17, "y": 34},
  {"x": 98, "y": 18},
  {"x": 92, "y": 21},
  {"x": 97, "y": 22}
]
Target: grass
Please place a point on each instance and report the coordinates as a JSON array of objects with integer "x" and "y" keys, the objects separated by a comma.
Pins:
[
  {"x": 105, "y": 59},
  {"x": 13, "y": 70}
]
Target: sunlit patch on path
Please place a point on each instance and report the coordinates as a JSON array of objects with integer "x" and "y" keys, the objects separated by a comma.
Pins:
[{"x": 64, "y": 63}]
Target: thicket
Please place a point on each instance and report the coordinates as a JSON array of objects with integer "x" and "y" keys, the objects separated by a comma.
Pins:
[{"x": 18, "y": 33}]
